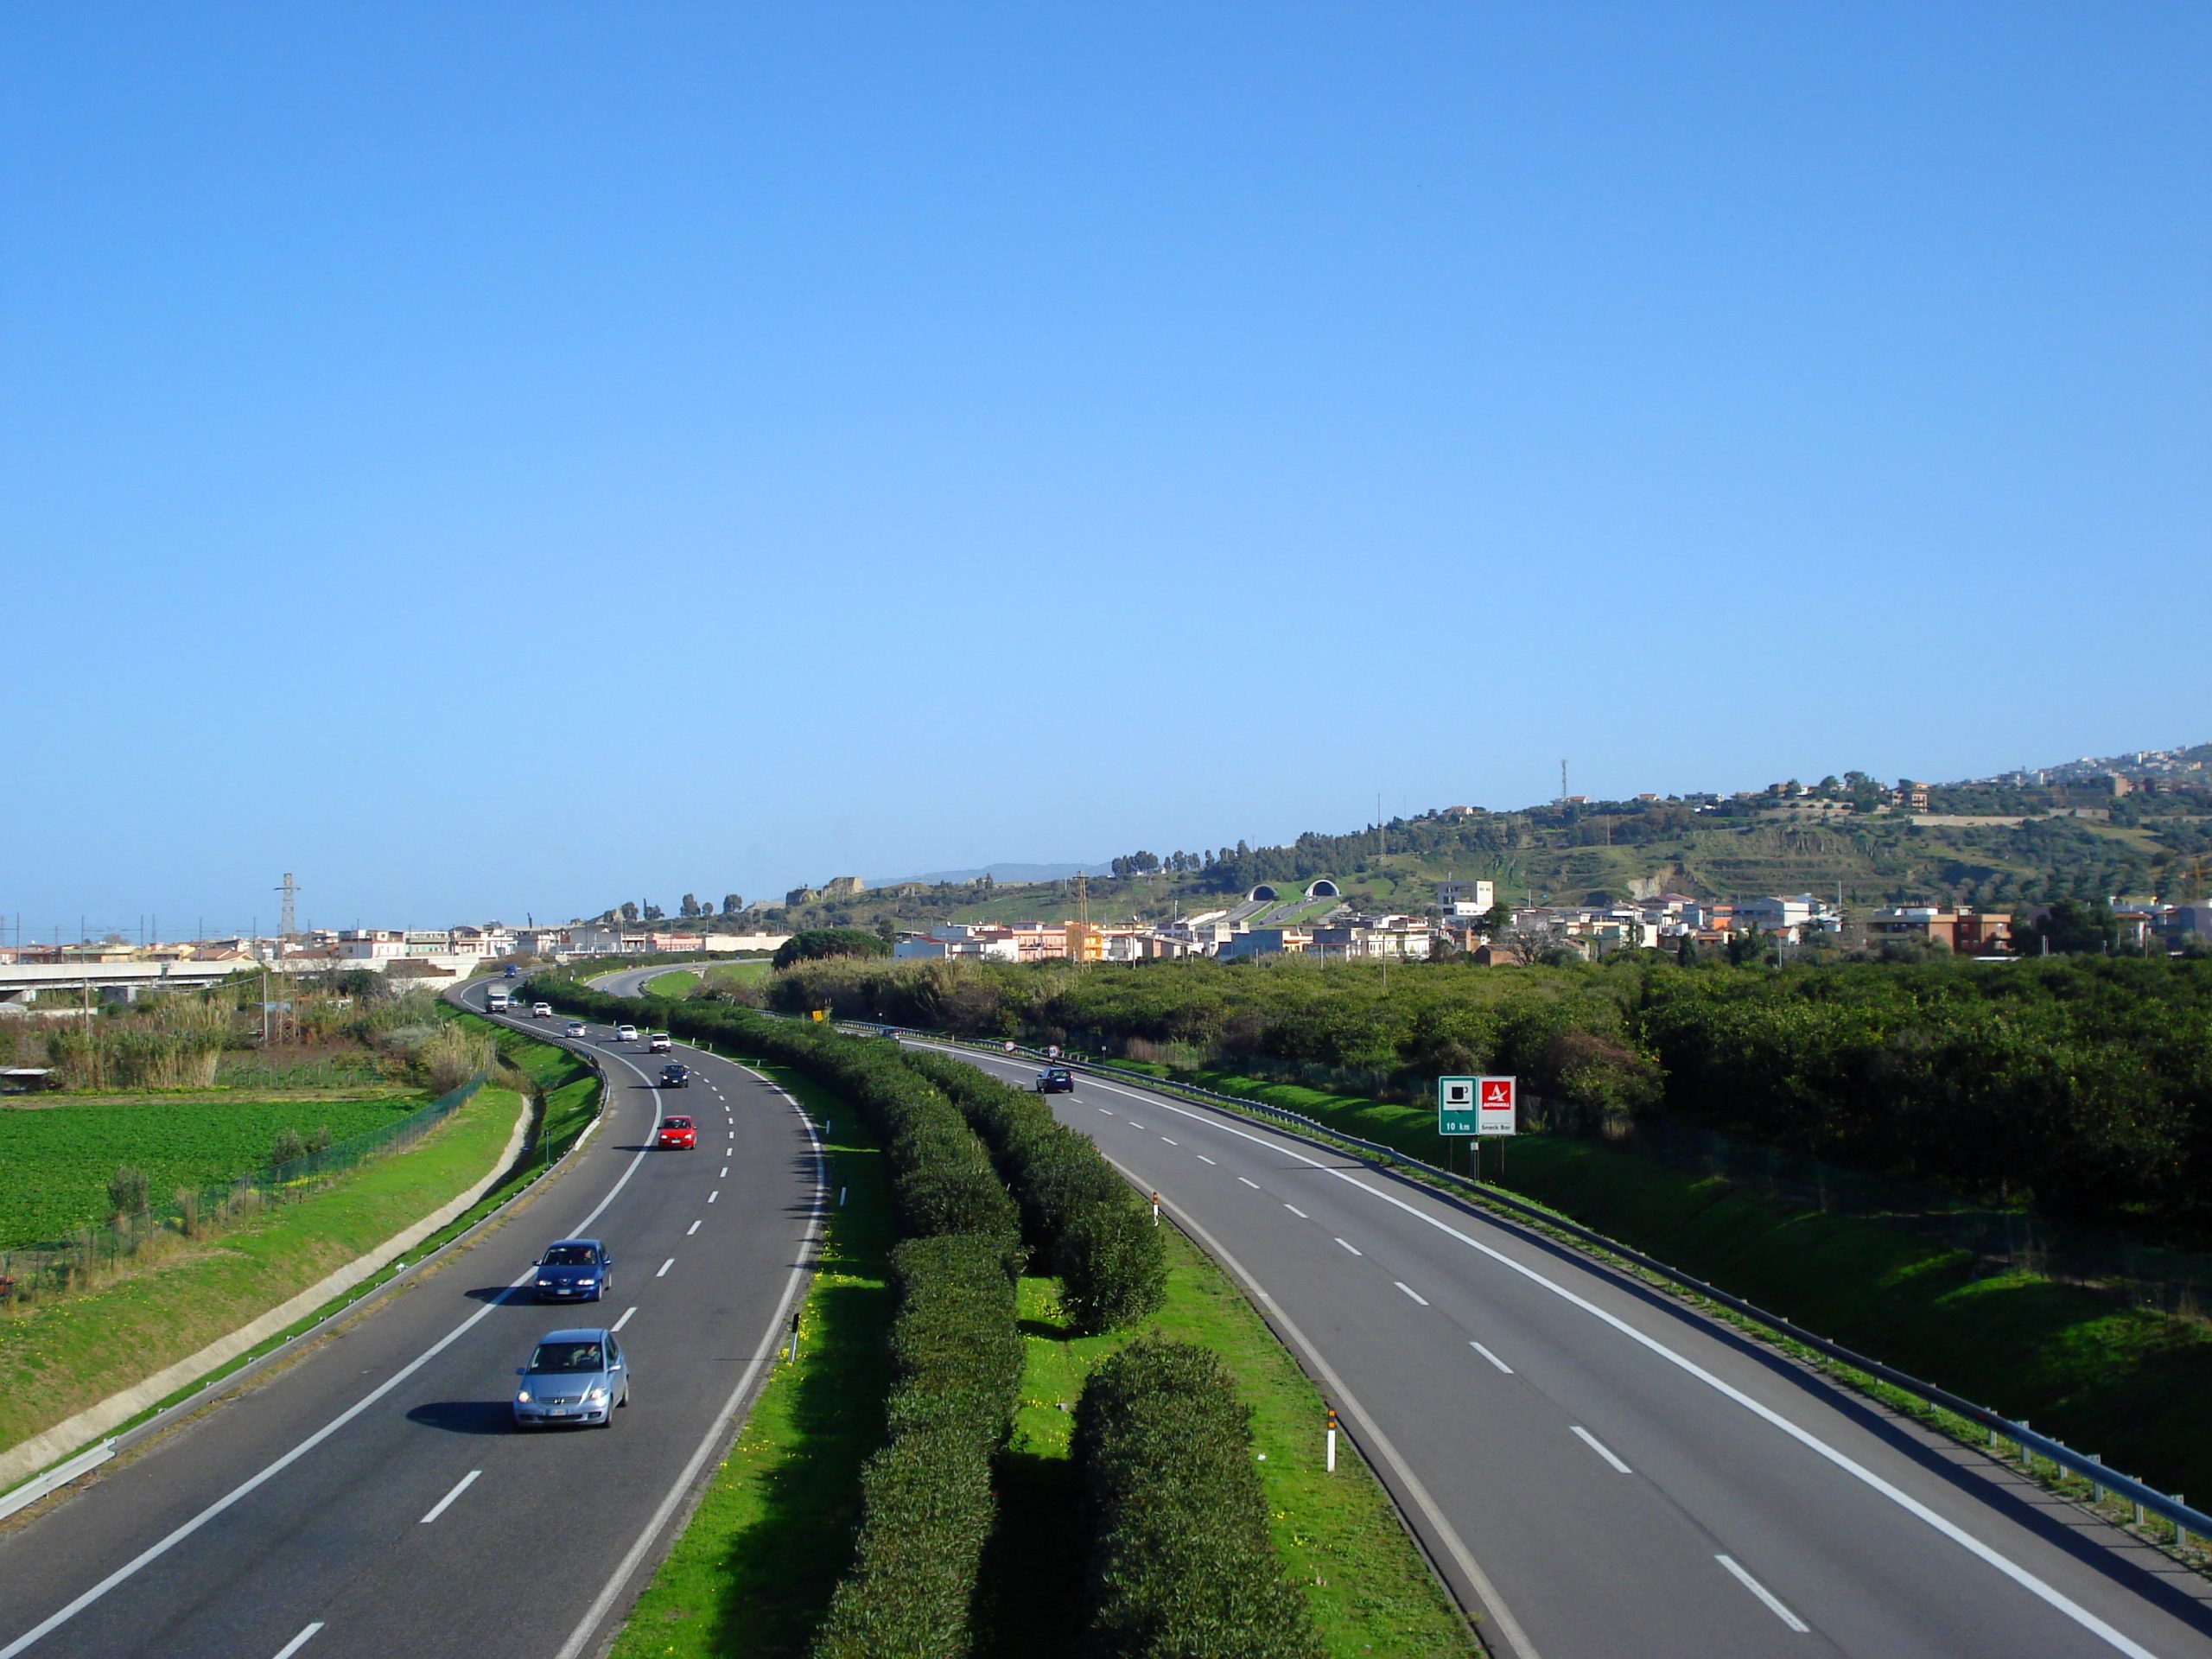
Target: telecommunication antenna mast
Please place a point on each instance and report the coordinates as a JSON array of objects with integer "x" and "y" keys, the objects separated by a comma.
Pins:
[{"x": 287, "y": 924}]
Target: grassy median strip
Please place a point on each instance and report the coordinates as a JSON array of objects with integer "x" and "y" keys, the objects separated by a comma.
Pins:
[
  {"x": 60, "y": 1356},
  {"x": 754, "y": 1570},
  {"x": 1337, "y": 1537}
]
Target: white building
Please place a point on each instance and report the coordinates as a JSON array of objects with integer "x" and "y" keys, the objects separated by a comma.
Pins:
[{"x": 1465, "y": 898}]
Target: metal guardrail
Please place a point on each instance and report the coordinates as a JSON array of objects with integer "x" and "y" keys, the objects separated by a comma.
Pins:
[{"x": 2187, "y": 1522}]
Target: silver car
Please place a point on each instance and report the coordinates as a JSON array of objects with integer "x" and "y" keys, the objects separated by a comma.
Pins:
[{"x": 574, "y": 1376}]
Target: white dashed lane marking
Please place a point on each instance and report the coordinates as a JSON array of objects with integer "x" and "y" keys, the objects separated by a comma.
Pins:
[
  {"x": 625, "y": 1318},
  {"x": 438, "y": 1508},
  {"x": 1205, "y": 1159},
  {"x": 1493, "y": 1358},
  {"x": 1171, "y": 1143},
  {"x": 1773, "y": 1602},
  {"x": 1249, "y": 1182},
  {"x": 1411, "y": 1292},
  {"x": 692, "y": 1228},
  {"x": 1300, "y": 1213},
  {"x": 712, "y": 1196},
  {"x": 1354, "y": 1248},
  {"x": 664, "y": 1266},
  {"x": 1600, "y": 1448}
]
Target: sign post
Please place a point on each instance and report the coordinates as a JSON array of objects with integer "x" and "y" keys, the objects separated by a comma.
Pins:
[
  {"x": 1497, "y": 1112},
  {"x": 1455, "y": 1112}
]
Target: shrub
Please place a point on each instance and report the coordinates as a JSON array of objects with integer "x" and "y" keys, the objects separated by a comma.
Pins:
[
  {"x": 290, "y": 1148},
  {"x": 1182, "y": 1563},
  {"x": 126, "y": 1190},
  {"x": 926, "y": 1501},
  {"x": 1086, "y": 1222}
]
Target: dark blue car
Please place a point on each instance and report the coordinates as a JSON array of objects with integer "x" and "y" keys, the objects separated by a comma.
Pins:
[{"x": 575, "y": 1270}]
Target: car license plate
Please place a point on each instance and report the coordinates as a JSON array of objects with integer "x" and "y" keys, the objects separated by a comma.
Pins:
[{"x": 563, "y": 1411}]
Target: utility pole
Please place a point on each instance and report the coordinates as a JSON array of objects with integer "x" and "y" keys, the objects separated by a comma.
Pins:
[
  {"x": 1562, "y": 780},
  {"x": 287, "y": 924}
]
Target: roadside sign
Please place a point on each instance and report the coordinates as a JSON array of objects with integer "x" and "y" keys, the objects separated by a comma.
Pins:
[
  {"x": 1455, "y": 1105},
  {"x": 1496, "y": 1105}
]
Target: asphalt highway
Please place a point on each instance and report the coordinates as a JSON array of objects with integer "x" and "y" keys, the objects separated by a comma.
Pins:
[
  {"x": 1607, "y": 1474},
  {"x": 373, "y": 1499}
]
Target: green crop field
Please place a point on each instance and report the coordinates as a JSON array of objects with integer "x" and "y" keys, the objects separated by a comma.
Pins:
[{"x": 55, "y": 1161}]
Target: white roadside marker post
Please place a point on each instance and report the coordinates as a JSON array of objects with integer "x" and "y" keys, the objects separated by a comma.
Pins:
[
  {"x": 1155, "y": 1209},
  {"x": 1332, "y": 1440}
]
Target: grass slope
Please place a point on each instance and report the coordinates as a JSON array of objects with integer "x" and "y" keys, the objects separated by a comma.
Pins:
[
  {"x": 55, "y": 1159},
  {"x": 754, "y": 1570},
  {"x": 59, "y": 1357},
  {"x": 671, "y": 986}
]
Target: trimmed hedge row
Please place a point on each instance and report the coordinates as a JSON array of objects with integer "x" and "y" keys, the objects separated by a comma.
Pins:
[
  {"x": 927, "y": 1507},
  {"x": 942, "y": 1178},
  {"x": 1085, "y": 1221},
  {"x": 1182, "y": 1563}
]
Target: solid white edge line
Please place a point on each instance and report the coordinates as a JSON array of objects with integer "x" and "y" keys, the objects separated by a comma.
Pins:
[
  {"x": 299, "y": 1641},
  {"x": 1411, "y": 1292},
  {"x": 625, "y": 1319},
  {"x": 244, "y": 1488},
  {"x": 1773, "y": 1602},
  {"x": 2049, "y": 1594},
  {"x": 580, "y": 1639},
  {"x": 438, "y": 1508},
  {"x": 664, "y": 1266},
  {"x": 1493, "y": 1358},
  {"x": 1600, "y": 1448},
  {"x": 1370, "y": 1435}
]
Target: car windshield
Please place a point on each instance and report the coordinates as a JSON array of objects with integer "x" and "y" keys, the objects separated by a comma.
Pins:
[
  {"x": 677, "y": 1124},
  {"x": 570, "y": 1255},
  {"x": 558, "y": 1358}
]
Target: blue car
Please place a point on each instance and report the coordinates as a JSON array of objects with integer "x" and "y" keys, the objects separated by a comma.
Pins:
[
  {"x": 574, "y": 1376},
  {"x": 575, "y": 1270}
]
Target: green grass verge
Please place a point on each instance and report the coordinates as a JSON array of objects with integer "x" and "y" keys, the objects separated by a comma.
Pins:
[
  {"x": 740, "y": 973},
  {"x": 2079, "y": 1364},
  {"x": 59, "y": 1357},
  {"x": 1339, "y": 1539},
  {"x": 754, "y": 1570},
  {"x": 671, "y": 986}
]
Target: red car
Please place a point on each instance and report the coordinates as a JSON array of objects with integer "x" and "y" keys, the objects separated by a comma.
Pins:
[{"x": 677, "y": 1132}]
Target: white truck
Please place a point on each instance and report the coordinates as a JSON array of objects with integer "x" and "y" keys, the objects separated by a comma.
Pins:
[{"x": 498, "y": 999}]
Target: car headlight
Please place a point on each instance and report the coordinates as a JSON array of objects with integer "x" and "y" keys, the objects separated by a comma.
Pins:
[
  {"x": 545, "y": 1284},
  {"x": 597, "y": 1395},
  {"x": 522, "y": 1396},
  {"x": 586, "y": 1284}
]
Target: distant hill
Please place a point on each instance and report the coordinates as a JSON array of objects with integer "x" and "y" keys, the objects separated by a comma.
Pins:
[
  {"x": 1003, "y": 874},
  {"x": 2008, "y": 839}
]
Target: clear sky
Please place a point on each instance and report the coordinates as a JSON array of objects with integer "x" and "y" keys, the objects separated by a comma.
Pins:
[{"x": 507, "y": 458}]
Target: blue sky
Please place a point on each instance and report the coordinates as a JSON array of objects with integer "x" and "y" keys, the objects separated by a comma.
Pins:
[{"x": 509, "y": 458}]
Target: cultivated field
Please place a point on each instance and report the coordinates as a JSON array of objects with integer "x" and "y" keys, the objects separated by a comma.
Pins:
[{"x": 55, "y": 1159}]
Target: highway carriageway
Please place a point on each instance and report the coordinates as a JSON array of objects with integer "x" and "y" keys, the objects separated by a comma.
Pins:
[
  {"x": 373, "y": 1499},
  {"x": 1602, "y": 1471}
]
